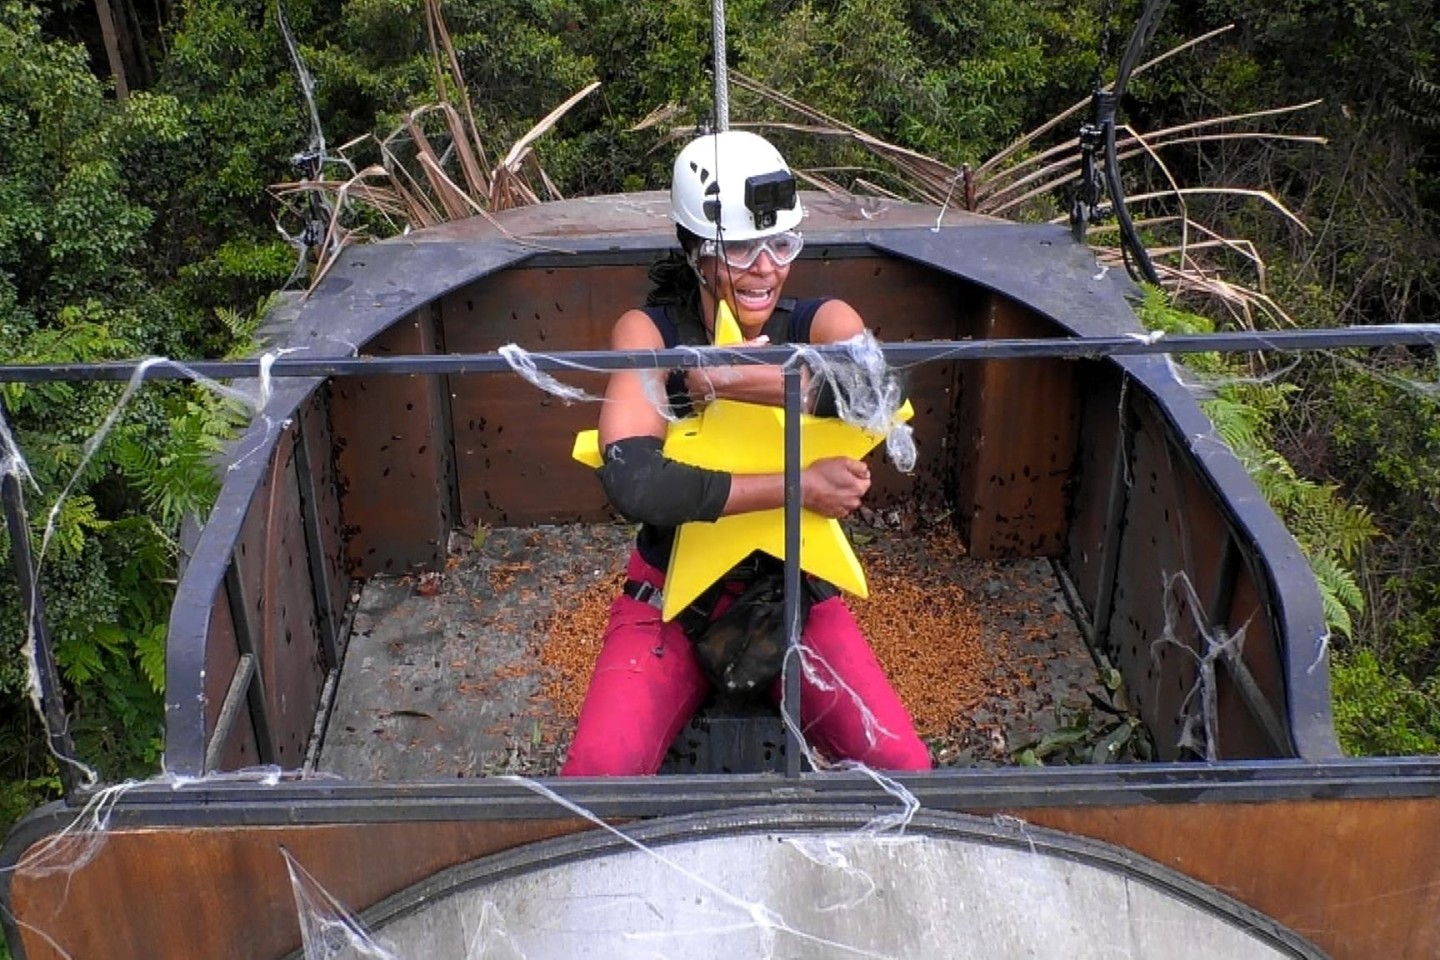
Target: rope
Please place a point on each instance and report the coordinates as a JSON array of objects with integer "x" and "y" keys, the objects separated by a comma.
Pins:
[{"x": 722, "y": 71}]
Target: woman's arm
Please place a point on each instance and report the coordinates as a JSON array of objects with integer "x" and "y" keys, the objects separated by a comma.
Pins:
[
  {"x": 834, "y": 321},
  {"x": 632, "y": 397},
  {"x": 647, "y": 487}
]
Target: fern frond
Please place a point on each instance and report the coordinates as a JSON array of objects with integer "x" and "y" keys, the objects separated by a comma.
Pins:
[
  {"x": 151, "y": 650},
  {"x": 1237, "y": 423},
  {"x": 1339, "y": 593},
  {"x": 77, "y": 517}
]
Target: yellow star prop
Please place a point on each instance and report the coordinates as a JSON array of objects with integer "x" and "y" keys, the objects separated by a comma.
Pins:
[{"x": 748, "y": 438}]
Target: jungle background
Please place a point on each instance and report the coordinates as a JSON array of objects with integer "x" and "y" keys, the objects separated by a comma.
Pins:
[{"x": 141, "y": 142}]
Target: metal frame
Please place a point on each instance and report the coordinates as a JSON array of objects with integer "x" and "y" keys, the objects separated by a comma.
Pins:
[
  {"x": 373, "y": 287},
  {"x": 906, "y": 354},
  {"x": 230, "y": 801}
]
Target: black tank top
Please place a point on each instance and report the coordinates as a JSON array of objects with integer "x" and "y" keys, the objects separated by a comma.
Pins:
[{"x": 790, "y": 323}]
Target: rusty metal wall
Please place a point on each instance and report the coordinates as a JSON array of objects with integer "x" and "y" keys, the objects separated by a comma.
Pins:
[
  {"x": 1016, "y": 444},
  {"x": 1180, "y": 585},
  {"x": 320, "y": 493},
  {"x": 903, "y": 301},
  {"x": 1097, "y": 493},
  {"x": 512, "y": 441},
  {"x": 272, "y": 568},
  {"x": 391, "y": 444},
  {"x": 240, "y": 747}
]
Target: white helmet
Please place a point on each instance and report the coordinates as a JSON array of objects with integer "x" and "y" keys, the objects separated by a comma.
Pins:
[{"x": 734, "y": 182}]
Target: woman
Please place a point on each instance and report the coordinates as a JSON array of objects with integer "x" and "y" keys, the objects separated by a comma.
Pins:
[{"x": 734, "y": 202}]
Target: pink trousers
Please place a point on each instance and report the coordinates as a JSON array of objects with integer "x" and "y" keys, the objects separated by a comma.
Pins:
[{"x": 647, "y": 684}]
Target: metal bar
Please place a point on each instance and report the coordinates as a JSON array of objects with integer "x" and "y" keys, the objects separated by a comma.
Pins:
[
  {"x": 323, "y": 712},
  {"x": 229, "y": 709},
  {"x": 293, "y": 801},
  {"x": 446, "y": 427},
  {"x": 52, "y": 707},
  {"x": 1115, "y": 504},
  {"x": 245, "y": 642},
  {"x": 794, "y": 668},
  {"x": 1075, "y": 602},
  {"x": 1065, "y": 348},
  {"x": 1272, "y": 728},
  {"x": 315, "y": 545}
]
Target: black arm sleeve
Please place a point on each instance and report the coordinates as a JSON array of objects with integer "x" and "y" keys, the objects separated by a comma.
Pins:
[{"x": 648, "y": 488}]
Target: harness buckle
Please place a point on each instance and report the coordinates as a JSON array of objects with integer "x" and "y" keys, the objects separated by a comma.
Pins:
[{"x": 645, "y": 592}]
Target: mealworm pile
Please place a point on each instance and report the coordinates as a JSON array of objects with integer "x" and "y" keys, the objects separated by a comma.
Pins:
[
  {"x": 925, "y": 630},
  {"x": 571, "y": 644}
]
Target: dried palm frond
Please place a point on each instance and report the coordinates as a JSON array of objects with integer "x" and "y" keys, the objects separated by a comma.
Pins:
[
  {"x": 440, "y": 39},
  {"x": 427, "y": 175},
  {"x": 1190, "y": 256},
  {"x": 1063, "y": 165},
  {"x": 660, "y": 116},
  {"x": 1020, "y": 144},
  {"x": 509, "y": 169}
]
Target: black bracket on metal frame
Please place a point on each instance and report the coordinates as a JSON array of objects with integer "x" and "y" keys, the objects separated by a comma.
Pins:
[
  {"x": 248, "y": 676},
  {"x": 1086, "y": 208},
  {"x": 326, "y": 618}
]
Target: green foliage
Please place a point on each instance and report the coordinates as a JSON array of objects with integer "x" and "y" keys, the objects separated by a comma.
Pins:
[
  {"x": 955, "y": 81},
  {"x": 240, "y": 271},
  {"x": 1386, "y": 442},
  {"x": 80, "y": 202},
  {"x": 69, "y": 228},
  {"x": 1109, "y": 732},
  {"x": 176, "y": 478},
  {"x": 1379, "y": 712},
  {"x": 1245, "y": 409}
]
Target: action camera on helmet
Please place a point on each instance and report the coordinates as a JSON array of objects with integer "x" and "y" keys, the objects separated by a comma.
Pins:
[{"x": 768, "y": 193}]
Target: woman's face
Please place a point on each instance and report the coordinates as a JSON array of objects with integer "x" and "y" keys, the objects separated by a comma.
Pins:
[{"x": 751, "y": 292}]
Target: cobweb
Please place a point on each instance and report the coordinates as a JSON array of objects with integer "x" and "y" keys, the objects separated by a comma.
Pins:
[{"x": 867, "y": 394}]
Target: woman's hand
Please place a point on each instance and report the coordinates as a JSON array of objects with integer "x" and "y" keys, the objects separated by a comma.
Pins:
[{"x": 834, "y": 486}]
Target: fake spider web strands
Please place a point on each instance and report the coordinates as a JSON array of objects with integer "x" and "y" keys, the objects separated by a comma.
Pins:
[
  {"x": 1200, "y": 729},
  {"x": 522, "y": 362},
  {"x": 327, "y": 929},
  {"x": 708, "y": 909},
  {"x": 733, "y": 913},
  {"x": 868, "y": 393},
  {"x": 93, "y": 817}
]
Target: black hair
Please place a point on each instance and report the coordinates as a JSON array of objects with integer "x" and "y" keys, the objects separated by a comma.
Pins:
[{"x": 674, "y": 282}]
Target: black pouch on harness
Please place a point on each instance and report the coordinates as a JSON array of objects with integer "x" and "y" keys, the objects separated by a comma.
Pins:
[{"x": 743, "y": 650}]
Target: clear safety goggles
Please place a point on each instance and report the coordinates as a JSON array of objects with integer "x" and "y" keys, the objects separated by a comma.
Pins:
[{"x": 742, "y": 254}]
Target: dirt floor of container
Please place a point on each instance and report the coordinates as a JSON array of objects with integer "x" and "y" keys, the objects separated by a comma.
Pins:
[{"x": 481, "y": 669}]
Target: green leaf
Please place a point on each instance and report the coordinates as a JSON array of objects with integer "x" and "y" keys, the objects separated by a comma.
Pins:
[{"x": 1109, "y": 749}]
